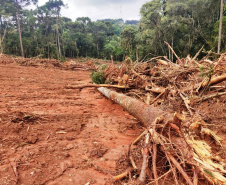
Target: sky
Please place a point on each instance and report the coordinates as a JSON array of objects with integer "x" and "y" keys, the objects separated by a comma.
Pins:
[{"x": 101, "y": 9}]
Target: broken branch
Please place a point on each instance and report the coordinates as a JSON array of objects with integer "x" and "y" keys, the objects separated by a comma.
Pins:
[
  {"x": 211, "y": 96},
  {"x": 122, "y": 175},
  {"x": 180, "y": 169},
  {"x": 186, "y": 103},
  {"x": 95, "y": 85},
  {"x": 193, "y": 59},
  {"x": 142, "y": 176},
  {"x": 173, "y": 51},
  {"x": 160, "y": 177}
]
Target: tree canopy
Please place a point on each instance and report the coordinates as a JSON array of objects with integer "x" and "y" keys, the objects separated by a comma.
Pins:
[{"x": 186, "y": 25}]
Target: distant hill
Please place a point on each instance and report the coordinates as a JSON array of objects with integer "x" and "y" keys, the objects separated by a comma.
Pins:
[{"x": 119, "y": 21}]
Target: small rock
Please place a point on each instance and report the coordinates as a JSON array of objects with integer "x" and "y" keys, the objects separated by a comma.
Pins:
[
  {"x": 32, "y": 173},
  {"x": 32, "y": 139},
  {"x": 224, "y": 129},
  {"x": 69, "y": 147}
]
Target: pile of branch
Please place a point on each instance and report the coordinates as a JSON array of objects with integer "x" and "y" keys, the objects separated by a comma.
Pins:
[
  {"x": 182, "y": 149},
  {"x": 47, "y": 63},
  {"x": 72, "y": 65},
  {"x": 171, "y": 152},
  {"x": 36, "y": 62},
  {"x": 161, "y": 81},
  {"x": 179, "y": 147},
  {"x": 5, "y": 59},
  {"x": 171, "y": 148}
]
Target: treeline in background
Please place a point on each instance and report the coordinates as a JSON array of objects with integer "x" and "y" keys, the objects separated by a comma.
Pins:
[{"x": 186, "y": 25}]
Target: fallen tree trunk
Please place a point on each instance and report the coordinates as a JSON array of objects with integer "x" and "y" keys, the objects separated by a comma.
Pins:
[
  {"x": 143, "y": 112},
  {"x": 215, "y": 80},
  {"x": 182, "y": 153}
]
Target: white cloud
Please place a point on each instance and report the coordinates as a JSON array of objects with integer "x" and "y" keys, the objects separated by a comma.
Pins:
[{"x": 101, "y": 9}]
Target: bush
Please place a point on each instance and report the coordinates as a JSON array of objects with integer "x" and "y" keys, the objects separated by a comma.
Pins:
[{"x": 98, "y": 77}]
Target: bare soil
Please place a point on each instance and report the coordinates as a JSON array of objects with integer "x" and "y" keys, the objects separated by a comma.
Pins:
[{"x": 52, "y": 135}]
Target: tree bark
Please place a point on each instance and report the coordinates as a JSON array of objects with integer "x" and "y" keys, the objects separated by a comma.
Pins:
[
  {"x": 97, "y": 51},
  {"x": 146, "y": 114},
  {"x": 19, "y": 30},
  {"x": 1, "y": 47},
  {"x": 220, "y": 26},
  {"x": 58, "y": 38}
]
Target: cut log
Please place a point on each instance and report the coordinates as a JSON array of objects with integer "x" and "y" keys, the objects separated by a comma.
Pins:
[
  {"x": 163, "y": 62},
  {"x": 121, "y": 176},
  {"x": 145, "y": 113},
  {"x": 215, "y": 80},
  {"x": 156, "y": 89}
]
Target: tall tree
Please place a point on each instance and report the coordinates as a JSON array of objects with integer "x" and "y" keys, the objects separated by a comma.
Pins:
[
  {"x": 54, "y": 6},
  {"x": 220, "y": 26},
  {"x": 6, "y": 11},
  {"x": 128, "y": 39},
  {"x": 20, "y": 4},
  {"x": 185, "y": 24}
]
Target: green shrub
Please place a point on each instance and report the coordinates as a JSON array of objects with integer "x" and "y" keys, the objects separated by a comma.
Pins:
[
  {"x": 97, "y": 77},
  {"x": 103, "y": 67}
]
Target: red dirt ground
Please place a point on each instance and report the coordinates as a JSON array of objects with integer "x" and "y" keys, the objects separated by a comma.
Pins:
[{"x": 52, "y": 135}]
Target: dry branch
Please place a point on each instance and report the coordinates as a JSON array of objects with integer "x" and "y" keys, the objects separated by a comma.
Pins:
[
  {"x": 173, "y": 51},
  {"x": 142, "y": 176},
  {"x": 180, "y": 169},
  {"x": 193, "y": 59},
  {"x": 96, "y": 85},
  {"x": 132, "y": 162},
  {"x": 156, "y": 89},
  {"x": 159, "y": 96},
  {"x": 152, "y": 182},
  {"x": 122, "y": 175},
  {"x": 139, "y": 137},
  {"x": 219, "y": 60},
  {"x": 186, "y": 104},
  {"x": 14, "y": 167},
  {"x": 163, "y": 62},
  {"x": 176, "y": 147},
  {"x": 195, "y": 177},
  {"x": 154, "y": 154},
  {"x": 135, "y": 73},
  {"x": 211, "y": 96}
]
